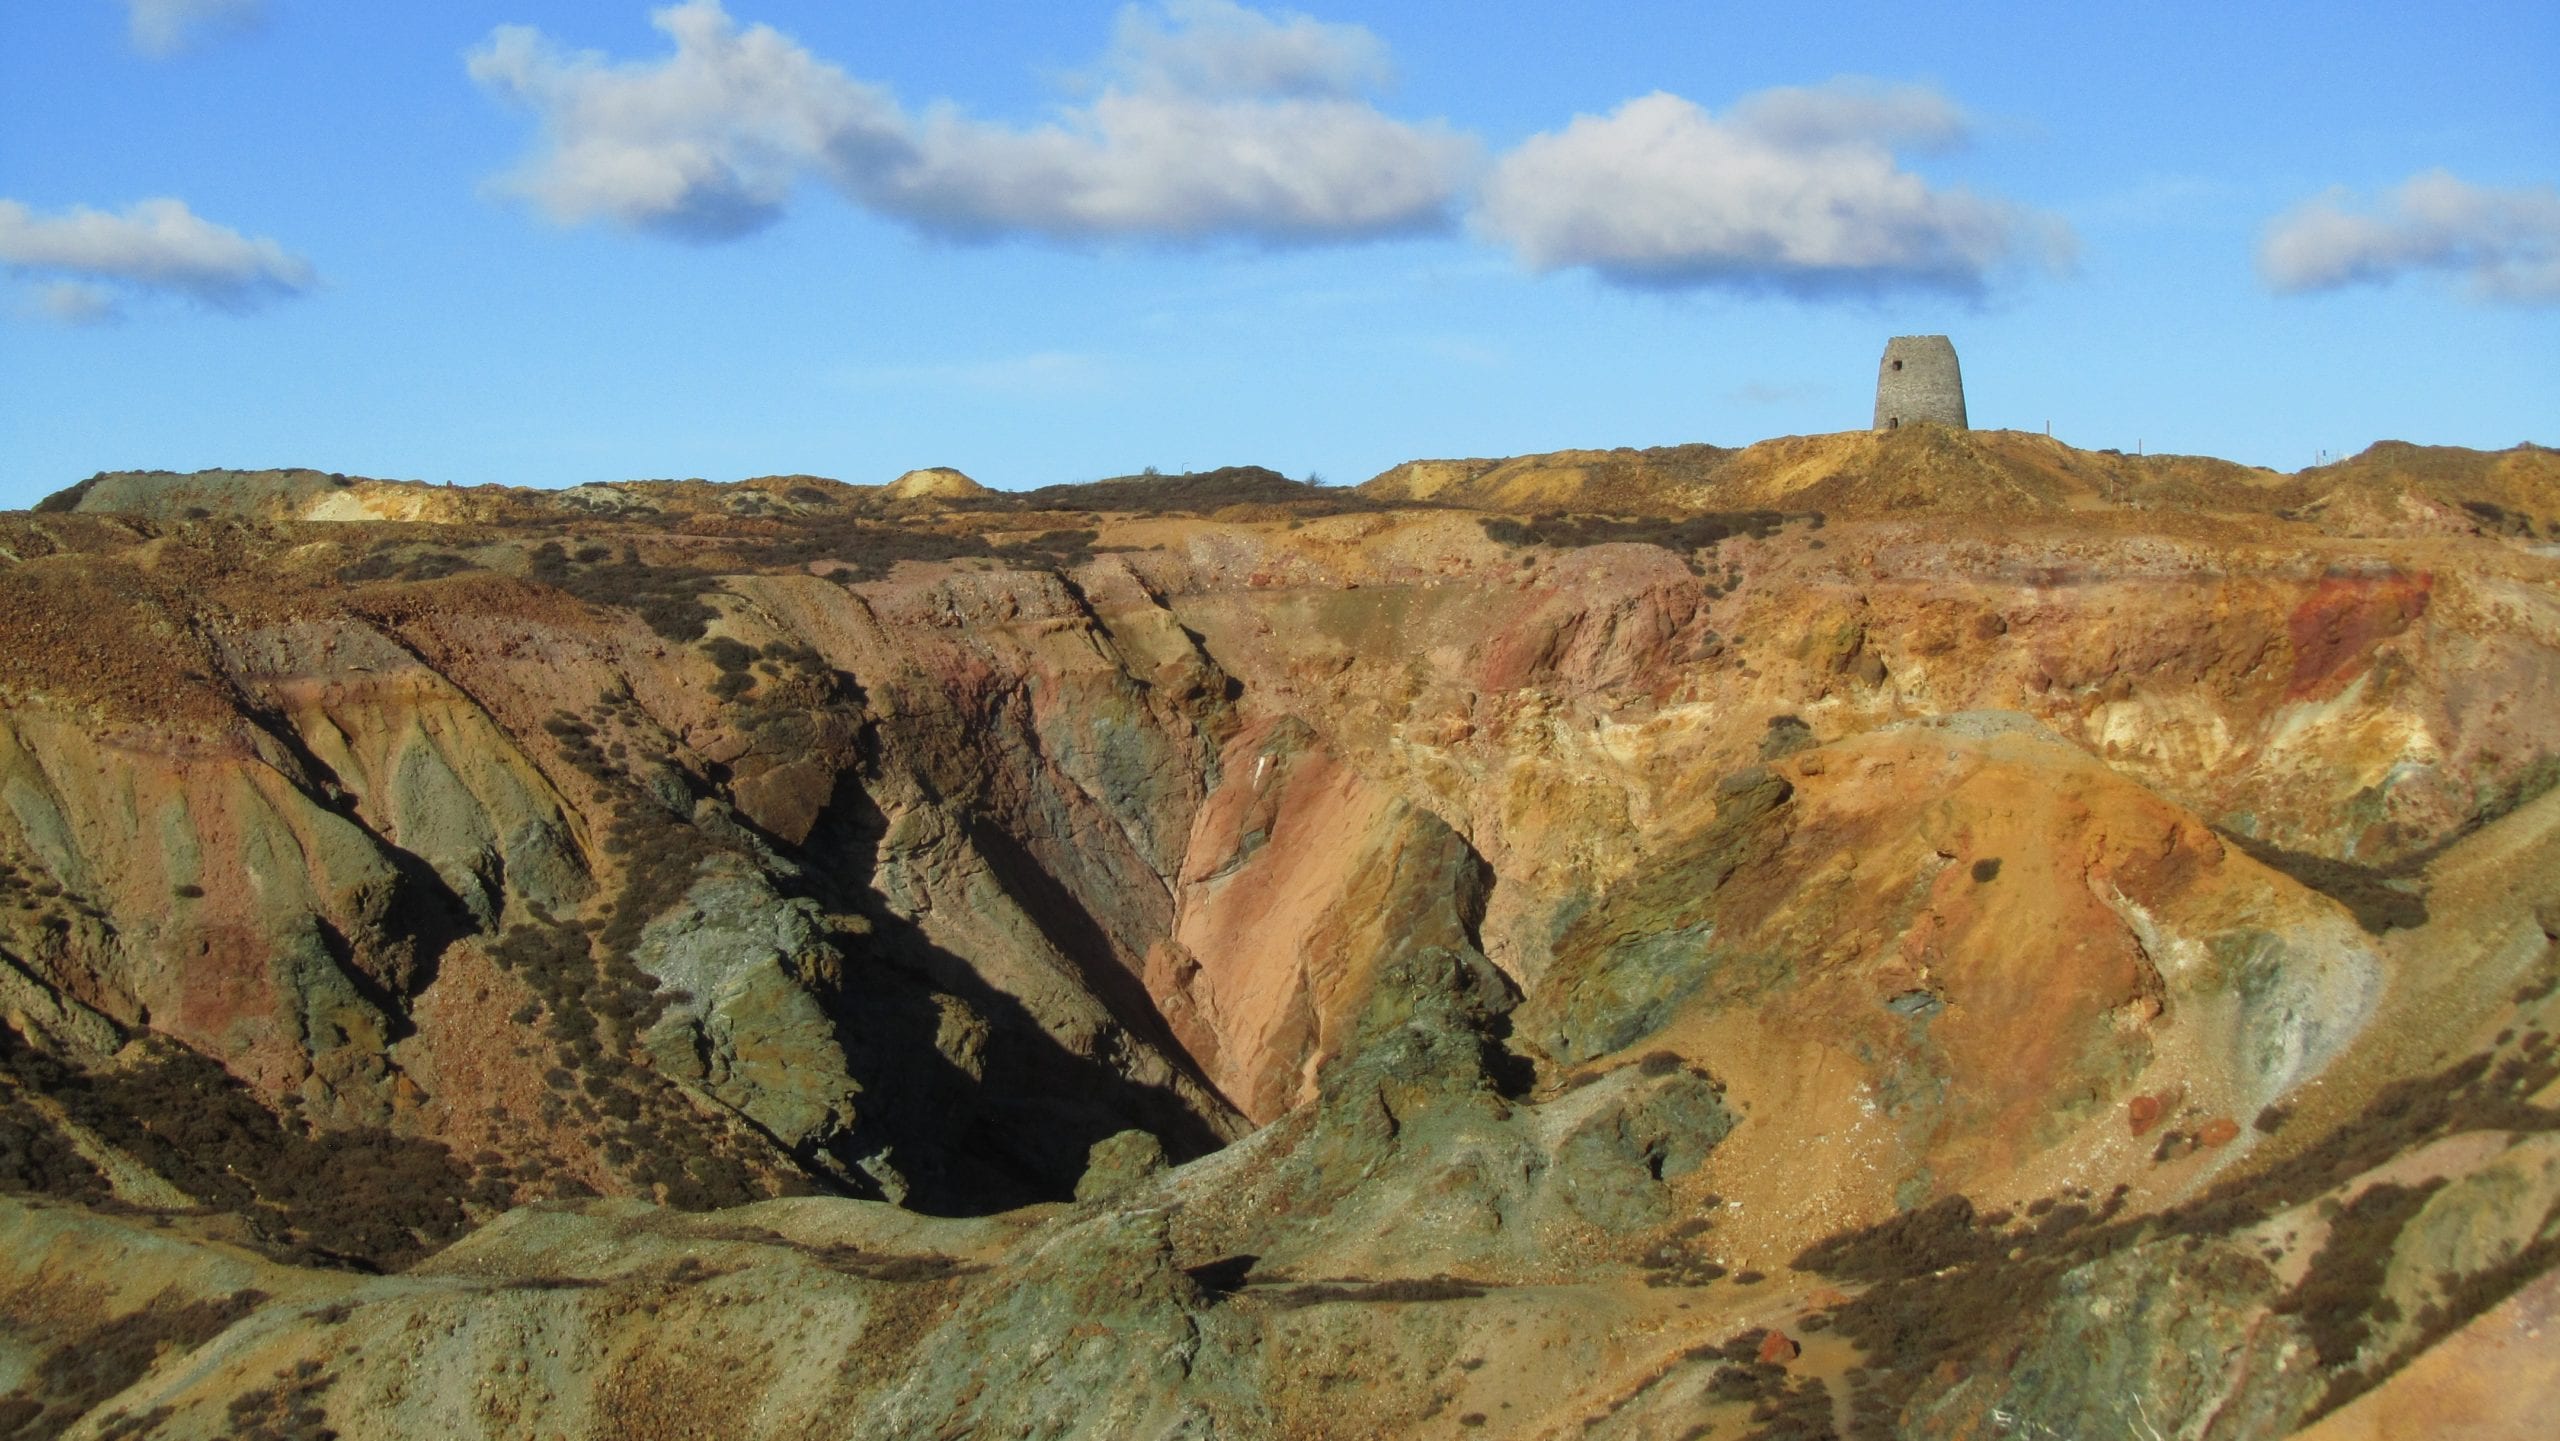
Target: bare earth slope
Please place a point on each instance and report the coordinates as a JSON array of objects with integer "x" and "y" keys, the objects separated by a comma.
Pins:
[{"x": 1930, "y": 934}]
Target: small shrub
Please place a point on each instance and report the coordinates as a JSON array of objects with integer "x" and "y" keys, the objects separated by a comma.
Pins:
[{"x": 1786, "y": 735}]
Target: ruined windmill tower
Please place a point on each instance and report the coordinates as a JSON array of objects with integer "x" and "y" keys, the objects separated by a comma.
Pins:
[{"x": 1918, "y": 380}]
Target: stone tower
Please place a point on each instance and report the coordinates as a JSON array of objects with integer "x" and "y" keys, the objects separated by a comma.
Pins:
[{"x": 1918, "y": 380}]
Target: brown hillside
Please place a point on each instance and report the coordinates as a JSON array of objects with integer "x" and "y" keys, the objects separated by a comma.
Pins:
[{"x": 1929, "y": 935}]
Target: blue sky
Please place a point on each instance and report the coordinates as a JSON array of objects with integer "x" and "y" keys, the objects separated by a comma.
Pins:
[{"x": 543, "y": 243}]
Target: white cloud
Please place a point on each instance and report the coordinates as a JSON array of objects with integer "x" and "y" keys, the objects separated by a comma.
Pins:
[
  {"x": 1187, "y": 167},
  {"x": 1211, "y": 121},
  {"x": 708, "y": 143},
  {"x": 77, "y": 302},
  {"x": 165, "y": 27},
  {"x": 1217, "y": 47},
  {"x": 155, "y": 246},
  {"x": 1796, "y": 190},
  {"x": 2506, "y": 243},
  {"x": 1851, "y": 112}
]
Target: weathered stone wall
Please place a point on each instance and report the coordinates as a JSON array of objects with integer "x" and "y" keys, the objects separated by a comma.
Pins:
[{"x": 1918, "y": 380}]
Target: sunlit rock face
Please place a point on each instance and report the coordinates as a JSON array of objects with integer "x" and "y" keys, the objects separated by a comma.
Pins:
[{"x": 1915, "y": 932}]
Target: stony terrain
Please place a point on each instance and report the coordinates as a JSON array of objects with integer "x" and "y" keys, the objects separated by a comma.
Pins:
[{"x": 1928, "y": 934}]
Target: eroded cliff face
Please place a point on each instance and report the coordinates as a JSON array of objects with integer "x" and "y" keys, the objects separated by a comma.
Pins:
[{"x": 1623, "y": 943}]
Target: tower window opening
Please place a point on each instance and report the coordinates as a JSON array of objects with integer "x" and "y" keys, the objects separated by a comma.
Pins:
[{"x": 1897, "y": 365}]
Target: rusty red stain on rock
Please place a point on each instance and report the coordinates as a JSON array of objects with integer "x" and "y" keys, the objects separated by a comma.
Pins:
[
  {"x": 2335, "y": 629},
  {"x": 2220, "y": 1131},
  {"x": 2143, "y": 1113},
  {"x": 1777, "y": 1350}
]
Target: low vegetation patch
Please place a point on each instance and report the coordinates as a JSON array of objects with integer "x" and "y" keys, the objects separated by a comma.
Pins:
[
  {"x": 666, "y": 597},
  {"x": 2496, "y": 519},
  {"x": 286, "y": 1409},
  {"x": 2340, "y": 1296},
  {"x": 1684, "y": 536},
  {"x": 361, "y": 1197},
  {"x": 853, "y": 550},
  {"x": 1196, "y": 492},
  {"x": 84, "y": 1370},
  {"x": 1947, "y": 1286},
  {"x": 1321, "y": 1293},
  {"x": 851, "y": 1260},
  {"x": 34, "y": 1157},
  {"x": 404, "y": 563},
  {"x": 594, "y": 1011},
  {"x": 595, "y": 1003}
]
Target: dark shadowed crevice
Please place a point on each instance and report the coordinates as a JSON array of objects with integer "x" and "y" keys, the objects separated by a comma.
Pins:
[
  {"x": 1080, "y": 938},
  {"x": 2381, "y": 898},
  {"x": 1018, "y": 1131}
]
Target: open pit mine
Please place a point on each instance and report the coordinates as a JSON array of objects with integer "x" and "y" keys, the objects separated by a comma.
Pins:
[{"x": 1912, "y": 933}]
